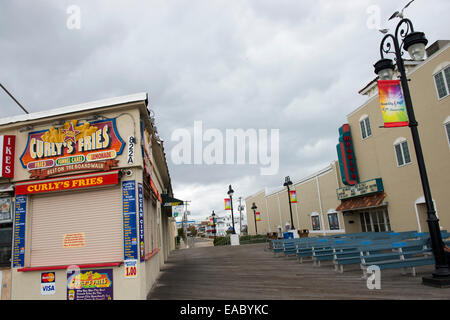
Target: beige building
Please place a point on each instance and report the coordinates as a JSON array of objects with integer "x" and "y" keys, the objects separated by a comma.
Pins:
[
  {"x": 314, "y": 209},
  {"x": 389, "y": 193},
  {"x": 85, "y": 202}
]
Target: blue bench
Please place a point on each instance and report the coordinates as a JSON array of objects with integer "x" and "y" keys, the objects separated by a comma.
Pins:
[
  {"x": 348, "y": 249},
  {"x": 388, "y": 256},
  {"x": 348, "y": 252}
]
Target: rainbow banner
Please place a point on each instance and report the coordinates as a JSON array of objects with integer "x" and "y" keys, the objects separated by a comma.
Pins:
[
  {"x": 258, "y": 216},
  {"x": 392, "y": 103},
  {"x": 293, "y": 196},
  {"x": 227, "y": 204}
]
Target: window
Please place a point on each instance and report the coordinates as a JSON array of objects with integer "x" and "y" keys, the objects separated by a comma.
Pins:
[
  {"x": 366, "y": 130},
  {"x": 333, "y": 221},
  {"x": 5, "y": 246},
  {"x": 375, "y": 221},
  {"x": 442, "y": 82},
  {"x": 402, "y": 152},
  {"x": 315, "y": 221},
  {"x": 447, "y": 130}
]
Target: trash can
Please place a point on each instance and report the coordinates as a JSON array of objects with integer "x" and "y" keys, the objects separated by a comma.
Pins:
[{"x": 288, "y": 235}]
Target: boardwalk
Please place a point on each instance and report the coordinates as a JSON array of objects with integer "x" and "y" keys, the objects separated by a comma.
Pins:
[{"x": 249, "y": 272}]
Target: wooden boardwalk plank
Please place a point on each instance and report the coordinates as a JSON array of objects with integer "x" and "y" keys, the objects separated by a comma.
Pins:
[{"x": 248, "y": 272}]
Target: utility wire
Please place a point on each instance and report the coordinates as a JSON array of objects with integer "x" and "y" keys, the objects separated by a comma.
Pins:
[{"x": 9, "y": 94}]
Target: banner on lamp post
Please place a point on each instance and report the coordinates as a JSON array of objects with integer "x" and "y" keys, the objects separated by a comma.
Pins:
[
  {"x": 227, "y": 204},
  {"x": 392, "y": 103},
  {"x": 293, "y": 196},
  {"x": 258, "y": 216}
]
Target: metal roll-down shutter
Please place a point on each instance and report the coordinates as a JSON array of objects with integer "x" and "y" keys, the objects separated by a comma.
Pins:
[{"x": 96, "y": 213}]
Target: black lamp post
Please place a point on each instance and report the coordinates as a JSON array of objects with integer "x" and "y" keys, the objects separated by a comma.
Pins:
[
  {"x": 213, "y": 215},
  {"x": 230, "y": 194},
  {"x": 407, "y": 39},
  {"x": 254, "y": 207},
  {"x": 287, "y": 183}
]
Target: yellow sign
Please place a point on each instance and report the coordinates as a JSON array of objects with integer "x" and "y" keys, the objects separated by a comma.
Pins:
[{"x": 74, "y": 240}]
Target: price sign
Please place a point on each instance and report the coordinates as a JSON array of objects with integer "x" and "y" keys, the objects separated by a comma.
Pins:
[{"x": 130, "y": 269}]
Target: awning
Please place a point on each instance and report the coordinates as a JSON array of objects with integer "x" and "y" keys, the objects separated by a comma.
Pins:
[
  {"x": 6, "y": 188},
  {"x": 170, "y": 202},
  {"x": 365, "y": 202}
]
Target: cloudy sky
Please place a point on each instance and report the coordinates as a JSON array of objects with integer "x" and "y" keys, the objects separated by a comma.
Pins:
[{"x": 291, "y": 65}]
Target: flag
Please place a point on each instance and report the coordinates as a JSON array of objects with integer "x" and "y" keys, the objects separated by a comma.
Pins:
[
  {"x": 293, "y": 196},
  {"x": 227, "y": 204},
  {"x": 392, "y": 103}
]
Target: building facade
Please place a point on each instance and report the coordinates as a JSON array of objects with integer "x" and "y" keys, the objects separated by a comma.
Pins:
[
  {"x": 85, "y": 202},
  {"x": 375, "y": 184},
  {"x": 313, "y": 211},
  {"x": 388, "y": 154}
]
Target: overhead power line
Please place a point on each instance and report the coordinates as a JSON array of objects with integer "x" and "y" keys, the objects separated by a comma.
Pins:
[{"x": 15, "y": 100}]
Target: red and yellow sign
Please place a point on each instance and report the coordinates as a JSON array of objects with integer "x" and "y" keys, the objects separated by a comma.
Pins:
[
  {"x": 89, "y": 279},
  {"x": 72, "y": 144},
  {"x": 257, "y": 216},
  {"x": 75, "y": 182}
]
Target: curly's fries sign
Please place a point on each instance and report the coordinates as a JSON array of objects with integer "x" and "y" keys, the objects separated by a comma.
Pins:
[
  {"x": 72, "y": 144},
  {"x": 74, "y": 182}
]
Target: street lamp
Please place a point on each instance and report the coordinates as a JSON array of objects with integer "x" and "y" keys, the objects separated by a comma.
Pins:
[
  {"x": 287, "y": 183},
  {"x": 254, "y": 207},
  {"x": 213, "y": 215},
  {"x": 414, "y": 43},
  {"x": 230, "y": 194}
]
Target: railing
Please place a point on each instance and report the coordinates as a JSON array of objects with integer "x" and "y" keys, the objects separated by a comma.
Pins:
[{"x": 225, "y": 241}]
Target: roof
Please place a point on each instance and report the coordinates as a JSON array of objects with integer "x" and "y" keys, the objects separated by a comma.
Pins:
[{"x": 75, "y": 108}]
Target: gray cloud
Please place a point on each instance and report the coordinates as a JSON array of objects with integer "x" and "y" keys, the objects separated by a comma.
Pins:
[{"x": 288, "y": 65}]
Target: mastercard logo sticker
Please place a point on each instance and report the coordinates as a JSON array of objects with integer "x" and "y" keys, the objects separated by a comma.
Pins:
[{"x": 48, "y": 277}]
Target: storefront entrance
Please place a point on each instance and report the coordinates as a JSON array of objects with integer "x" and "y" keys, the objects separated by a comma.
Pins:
[{"x": 375, "y": 220}]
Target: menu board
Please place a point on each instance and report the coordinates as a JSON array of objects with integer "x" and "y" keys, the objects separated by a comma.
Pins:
[
  {"x": 141, "y": 221},
  {"x": 129, "y": 220},
  {"x": 90, "y": 285},
  {"x": 19, "y": 231}
]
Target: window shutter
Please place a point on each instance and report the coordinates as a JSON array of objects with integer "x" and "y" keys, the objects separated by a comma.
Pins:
[
  {"x": 363, "y": 129},
  {"x": 440, "y": 85},
  {"x": 398, "y": 152},
  {"x": 447, "y": 77},
  {"x": 406, "y": 154},
  {"x": 369, "y": 130},
  {"x": 447, "y": 127}
]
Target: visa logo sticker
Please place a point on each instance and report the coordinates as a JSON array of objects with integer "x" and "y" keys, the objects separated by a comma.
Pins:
[{"x": 48, "y": 289}]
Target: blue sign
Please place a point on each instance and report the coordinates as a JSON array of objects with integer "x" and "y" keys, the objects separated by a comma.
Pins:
[
  {"x": 141, "y": 221},
  {"x": 129, "y": 220},
  {"x": 19, "y": 231}
]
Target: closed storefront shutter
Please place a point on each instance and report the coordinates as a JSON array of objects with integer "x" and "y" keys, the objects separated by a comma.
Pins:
[{"x": 92, "y": 219}]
